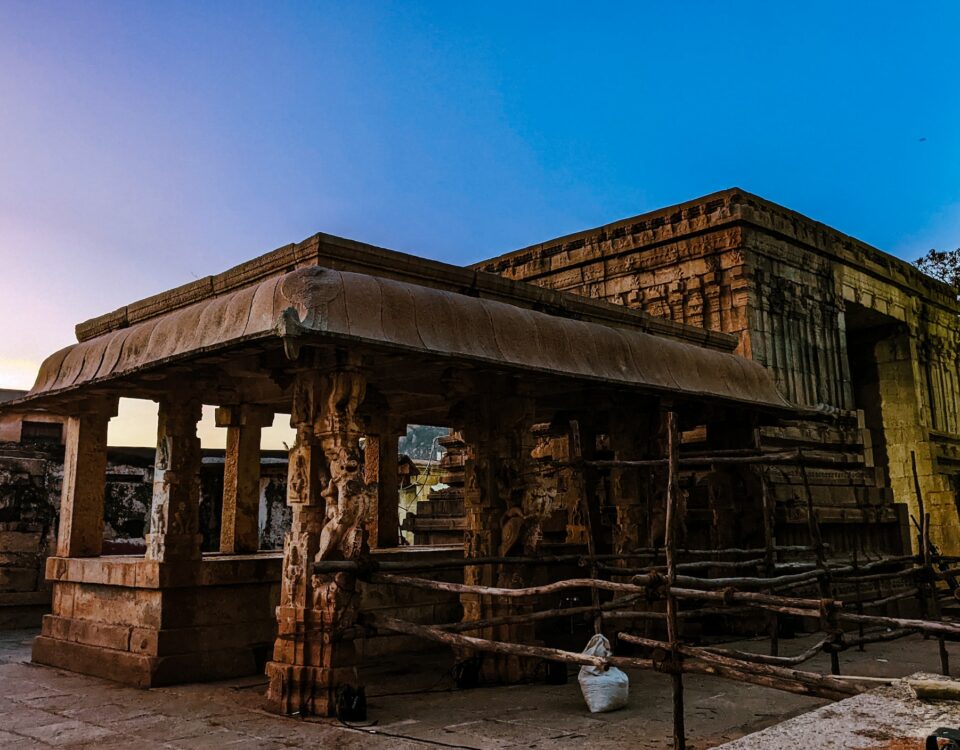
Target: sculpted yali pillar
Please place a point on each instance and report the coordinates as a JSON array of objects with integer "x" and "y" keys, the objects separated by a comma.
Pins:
[{"x": 313, "y": 663}]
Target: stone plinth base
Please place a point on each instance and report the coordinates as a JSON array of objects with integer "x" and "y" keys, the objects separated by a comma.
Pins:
[
  {"x": 306, "y": 690},
  {"x": 147, "y": 623}
]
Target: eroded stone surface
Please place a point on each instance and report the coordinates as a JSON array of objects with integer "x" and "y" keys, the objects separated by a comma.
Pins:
[
  {"x": 839, "y": 324},
  {"x": 888, "y": 718},
  {"x": 413, "y": 706}
]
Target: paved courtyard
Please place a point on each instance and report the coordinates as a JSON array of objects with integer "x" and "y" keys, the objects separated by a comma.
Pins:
[{"x": 412, "y": 705}]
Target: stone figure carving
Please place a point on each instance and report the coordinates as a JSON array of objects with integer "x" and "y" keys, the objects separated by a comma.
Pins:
[
  {"x": 343, "y": 532},
  {"x": 292, "y": 571},
  {"x": 345, "y": 391},
  {"x": 163, "y": 454},
  {"x": 298, "y": 475}
]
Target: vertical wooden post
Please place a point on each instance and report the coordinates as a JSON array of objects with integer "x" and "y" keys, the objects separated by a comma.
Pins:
[
  {"x": 826, "y": 589},
  {"x": 673, "y": 635},
  {"x": 770, "y": 558},
  {"x": 859, "y": 594},
  {"x": 576, "y": 455},
  {"x": 84, "y": 481},
  {"x": 239, "y": 522},
  {"x": 930, "y": 582}
]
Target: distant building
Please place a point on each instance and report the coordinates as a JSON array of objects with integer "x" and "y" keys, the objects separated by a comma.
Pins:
[{"x": 28, "y": 426}]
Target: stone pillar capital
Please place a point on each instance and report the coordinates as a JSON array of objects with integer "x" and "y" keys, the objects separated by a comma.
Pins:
[
  {"x": 243, "y": 415},
  {"x": 103, "y": 407}
]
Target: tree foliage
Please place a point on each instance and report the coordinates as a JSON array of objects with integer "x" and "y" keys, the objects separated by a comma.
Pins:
[{"x": 943, "y": 265}]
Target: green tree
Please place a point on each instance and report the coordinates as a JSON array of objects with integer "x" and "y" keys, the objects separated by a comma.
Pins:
[{"x": 943, "y": 265}]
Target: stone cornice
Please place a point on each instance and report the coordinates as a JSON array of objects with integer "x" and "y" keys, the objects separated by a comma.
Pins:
[
  {"x": 348, "y": 255},
  {"x": 727, "y": 208}
]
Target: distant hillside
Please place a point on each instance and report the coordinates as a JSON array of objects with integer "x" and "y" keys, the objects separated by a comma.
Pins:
[{"x": 419, "y": 442}]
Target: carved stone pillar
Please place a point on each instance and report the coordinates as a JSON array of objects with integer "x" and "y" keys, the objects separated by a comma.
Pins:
[
  {"x": 84, "y": 480},
  {"x": 503, "y": 518},
  {"x": 329, "y": 497},
  {"x": 381, "y": 467},
  {"x": 174, "y": 516},
  {"x": 239, "y": 527}
]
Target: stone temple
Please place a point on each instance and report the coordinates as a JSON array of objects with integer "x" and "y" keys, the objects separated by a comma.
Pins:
[
  {"x": 728, "y": 329},
  {"x": 842, "y": 327}
]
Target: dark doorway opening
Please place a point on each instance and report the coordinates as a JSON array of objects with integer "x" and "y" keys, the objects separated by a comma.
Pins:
[{"x": 866, "y": 328}]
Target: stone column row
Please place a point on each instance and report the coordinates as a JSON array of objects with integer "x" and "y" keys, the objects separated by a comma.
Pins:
[
  {"x": 174, "y": 519},
  {"x": 174, "y": 516}
]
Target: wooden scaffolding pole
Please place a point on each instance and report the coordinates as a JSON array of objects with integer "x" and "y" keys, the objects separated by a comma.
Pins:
[
  {"x": 824, "y": 581},
  {"x": 770, "y": 557},
  {"x": 670, "y": 545},
  {"x": 929, "y": 586},
  {"x": 576, "y": 452}
]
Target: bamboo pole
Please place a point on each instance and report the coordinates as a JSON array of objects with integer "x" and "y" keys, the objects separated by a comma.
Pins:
[
  {"x": 889, "y": 576},
  {"x": 685, "y": 566},
  {"x": 946, "y": 629},
  {"x": 773, "y": 622},
  {"x": 783, "y": 604},
  {"x": 576, "y": 450},
  {"x": 824, "y": 581},
  {"x": 757, "y": 599},
  {"x": 549, "y": 588},
  {"x": 790, "y": 686},
  {"x": 930, "y": 584},
  {"x": 772, "y": 659},
  {"x": 859, "y": 594},
  {"x": 774, "y": 673},
  {"x": 427, "y": 632},
  {"x": 670, "y": 523},
  {"x": 899, "y": 596},
  {"x": 373, "y": 565},
  {"x": 549, "y": 614},
  {"x": 455, "y": 640},
  {"x": 707, "y": 459},
  {"x": 883, "y": 636},
  {"x": 751, "y": 581}
]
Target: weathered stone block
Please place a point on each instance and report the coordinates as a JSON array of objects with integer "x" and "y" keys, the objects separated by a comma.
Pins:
[
  {"x": 18, "y": 579},
  {"x": 20, "y": 541}
]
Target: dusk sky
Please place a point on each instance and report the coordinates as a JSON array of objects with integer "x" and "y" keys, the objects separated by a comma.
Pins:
[{"x": 143, "y": 145}]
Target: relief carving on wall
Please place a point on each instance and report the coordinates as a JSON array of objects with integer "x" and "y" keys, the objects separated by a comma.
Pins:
[{"x": 292, "y": 588}]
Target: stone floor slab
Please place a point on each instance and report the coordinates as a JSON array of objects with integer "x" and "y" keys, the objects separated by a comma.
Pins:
[
  {"x": 66, "y": 733},
  {"x": 412, "y": 706}
]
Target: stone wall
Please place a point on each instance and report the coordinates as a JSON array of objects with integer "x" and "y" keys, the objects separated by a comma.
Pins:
[
  {"x": 844, "y": 327},
  {"x": 30, "y": 483}
]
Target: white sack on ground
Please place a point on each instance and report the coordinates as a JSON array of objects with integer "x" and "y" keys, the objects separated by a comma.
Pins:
[{"x": 603, "y": 690}]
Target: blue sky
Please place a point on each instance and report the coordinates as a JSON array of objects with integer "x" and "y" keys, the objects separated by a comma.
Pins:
[{"x": 145, "y": 144}]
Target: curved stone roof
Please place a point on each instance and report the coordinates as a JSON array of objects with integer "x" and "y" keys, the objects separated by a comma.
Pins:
[{"x": 324, "y": 304}]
